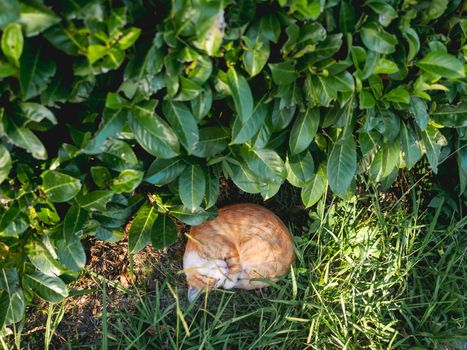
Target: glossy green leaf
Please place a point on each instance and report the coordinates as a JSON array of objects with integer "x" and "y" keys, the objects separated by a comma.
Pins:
[
  {"x": 201, "y": 105},
  {"x": 139, "y": 234},
  {"x": 326, "y": 49},
  {"x": 71, "y": 254},
  {"x": 192, "y": 186},
  {"x": 25, "y": 138},
  {"x": 164, "y": 232},
  {"x": 347, "y": 17},
  {"x": 35, "y": 71},
  {"x": 152, "y": 133},
  {"x": 243, "y": 177},
  {"x": 111, "y": 124},
  {"x": 410, "y": 146},
  {"x": 256, "y": 56},
  {"x": 243, "y": 12},
  {"x": 127, "y": 181},
  {"x": 12, "y": 42},
  {"x": 189, "y": 90},
  {"x": 117, "y": 155},
  {"x": 414, "y": 43},
  {"x": 433, "y": 140},
  {"x": 385, "y": 161},
  {"x": 115, "y": 101},
  {"x": 128, "y": 38},
  {"x": 193, "y": 218},
  {"x": 443, "y": 64},
  {"x": 419, "y": 110},
  {"x": 283, "y": 73},
  {"x": 300, "y": 168},
  {"x": 95, "y": 200},
  {"x": 384, "y": 121},
  {"x": 366, "y": 99},
  {"x": 270, "y": 27},
  {"x": 59, "y": 187},
  {"x": 452, "y": 116},
  {"x": 36, "y": 17},
  {"x": 342, "y": 82},
  {"x": 9, "y": 13},
  {"x": 12, "y": 301},
  {"x": 36, "y": 112},
  {"x": 368, "y": 141},
  {"x": 243, "y": 131},
  {"x": 100, "y": 175},
  {"x": 386, "y": 13},
  {"x": 212, "y": 189},
  {"x": 376, "y": 85},
  {"x": 212, "y": 141},
  {"x": 437, "y": 8},
  {"x": 49, "y": 288},
  {"x": 202, "y": 70},
  {"x": 9, "y": 216},
  {"x": 109, "y": 235},
  {"x": 96, "y": 52},
  {"x": 12, "y": 307},
  {"x": 315, "y": 187},
  {"x": 269, "y": 189},
  {"x": 342, "y": 165},
  {"x": 398, "y": 95},
  {"x": 6, "y": 69},
  {"x": 309, "y": 9},
  {"x": 319, "y": 92},
  {"x": 241, "y": 94},
  {"x": 377, "y": 39},
  {"x": 64, "y": 40},
  {"x": 209, "y": 30},
  {"x": 385, "y": 66},
  {"x": 388, "y": 181},
  {"x": 183, "y": 123},
  {"x": 265, "y": 164},
  {"x": 371, "y": 62},
  {"x": 74, "y": 221},
  {"x": 304, "y": 130},
  {"x": 164, "y": 171},
  {"x": 5, "y": 163}
]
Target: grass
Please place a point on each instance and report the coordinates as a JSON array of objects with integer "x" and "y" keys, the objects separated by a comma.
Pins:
[
  {"x": 369, "y": 274},
  {"x": 364, "y": 279}
]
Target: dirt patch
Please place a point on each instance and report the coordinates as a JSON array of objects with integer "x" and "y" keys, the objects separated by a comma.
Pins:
[{"x": 109, "y": 262}]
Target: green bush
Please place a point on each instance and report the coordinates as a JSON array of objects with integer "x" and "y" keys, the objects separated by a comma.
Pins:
[{"x": 113, "y": 108}]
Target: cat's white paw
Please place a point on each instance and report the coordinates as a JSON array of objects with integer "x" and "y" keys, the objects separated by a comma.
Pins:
[
  {"x": 230, "y": 282},
  {"x": 215, "y": 269},
  {"x": 219, "y": 271}
]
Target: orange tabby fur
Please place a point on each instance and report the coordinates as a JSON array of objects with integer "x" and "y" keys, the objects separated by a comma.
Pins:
[{"x": 244, "y": 242}]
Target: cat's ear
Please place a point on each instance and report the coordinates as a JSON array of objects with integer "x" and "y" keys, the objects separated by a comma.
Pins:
[{"x": 192, "y": 293}]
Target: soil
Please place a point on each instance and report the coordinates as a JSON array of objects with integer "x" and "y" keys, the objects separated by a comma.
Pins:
[{"x": 107, "y": 262}]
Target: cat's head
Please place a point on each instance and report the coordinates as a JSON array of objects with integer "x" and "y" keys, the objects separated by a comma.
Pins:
[{"x": 203, "y": 274}]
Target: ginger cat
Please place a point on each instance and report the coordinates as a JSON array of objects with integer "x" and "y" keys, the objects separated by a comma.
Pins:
[{"x": 244, "y": 242}]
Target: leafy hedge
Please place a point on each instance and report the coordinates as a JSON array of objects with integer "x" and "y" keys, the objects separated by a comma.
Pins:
[{"x": 104, "y": 105}]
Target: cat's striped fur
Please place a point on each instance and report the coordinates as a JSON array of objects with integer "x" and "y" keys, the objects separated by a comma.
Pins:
[{"x": 245, "y": 242}]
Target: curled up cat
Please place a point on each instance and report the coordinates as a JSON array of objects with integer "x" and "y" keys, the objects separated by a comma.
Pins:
[{"x": 243, "y": 247}]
